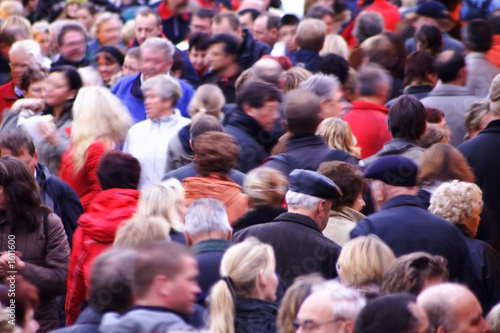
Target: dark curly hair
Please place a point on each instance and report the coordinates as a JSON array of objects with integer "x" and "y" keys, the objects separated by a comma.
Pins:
[{"x": 216, "y": 152}]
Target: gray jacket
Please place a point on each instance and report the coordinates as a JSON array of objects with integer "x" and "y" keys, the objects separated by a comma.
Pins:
[{"x": 480, "y": 73}]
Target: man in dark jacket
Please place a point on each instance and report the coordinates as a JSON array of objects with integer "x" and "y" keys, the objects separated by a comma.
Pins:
[
  {"x": 56, "y": 194},
  {"x": 72, "y": 46},
  {"x": 299, "y": 246}
]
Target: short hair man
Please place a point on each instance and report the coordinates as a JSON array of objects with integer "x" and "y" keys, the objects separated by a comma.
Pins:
[
  {"x": 107, "y": 32},
  {"x": 328, "y": 90},
  {"x": 266, "y": 28},
  {"x": 209, "y": 234},
  {"x": 451, "y": 307},
  {"x": 249, "y": 50},
  {"x": 253, "y": 122},
  {"x": 268, "y": 70},
  {"x": 72, "y": 45},
  {"x": 223, "y": 66},
  {"x": 309, "y": 198},
  {"x": 56, "y": 194},
  {"x": 368, "y": 115},
  {"x": 156, "y": 58},
  {"x": 201, "y": 21},
  {"x": 477, "y": 36},
  {"x": 367, "y": 24},
  {"x": 450, "y": 94},
  {"x": 310, "y": 38},
  {"x": 247, "y": 17},
  {"x": 165, "y": 289},
  {"x": 147, "y": 25},
  {"x": 330, "y": 308},
  {"x": 22, "y": 55}
]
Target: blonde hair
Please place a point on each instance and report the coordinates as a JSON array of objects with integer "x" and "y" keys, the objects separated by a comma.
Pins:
[
  {"x": 10, "y": 8},
  {"x": 364, "y": 260},
  {"x": 457, "y": 201},
  {"x": 18, "y": 21},
  {"x": 127, "y": 32},
  {"x": 265, "y": 186},
  {"x": 207, "y": 100},
  {"x": 335, "y": 44},
  {"x": 165, "y": 200},
  {"x": 103, "y": 18},
  {"x": 338, "y": 135},
  {"x": 97, "y": 115},
  {"x": 40, "y": 27},
  {"x": 90, "y": 77},
  {"x": 140, "y": 231},
  {"x": 240, "y": 268},
  {"x": 294, "y": 77}
]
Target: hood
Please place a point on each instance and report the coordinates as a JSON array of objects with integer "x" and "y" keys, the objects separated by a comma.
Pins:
[{"x": 107, "y": 211}]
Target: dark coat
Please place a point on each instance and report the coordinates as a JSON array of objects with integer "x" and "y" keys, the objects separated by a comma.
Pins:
[
  {"x": 63, "y": 62},
  {"x": 226, "y": 86},
  {"x": 88, "y": 322},
  {"x": 255, "y": 315},
  {"x": 255, "y": 142},
  {"x": 257, "y": 216},
  {"x": 309, "y": 58},
  {"x": 307, "y": 151},
  {"x": 482, "y": 154},
  {"x": 176, "y": 27},
  {"x": 61, "y": 198},
  {"x": 299, "y": 246},
  {"x": 406, "y": 227},
  {"x": 250, "y": 51}
]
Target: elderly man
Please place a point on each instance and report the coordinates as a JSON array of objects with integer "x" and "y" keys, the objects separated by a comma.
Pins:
[
  {"x": 306, "y": 250},
  {"x": 72, "y": 45},
  {"x": 22, "y": 55},
  {"x": 330, "y": 308},
  {"x": 156, "y": 58},
  {"x": 452, "y": 307}
]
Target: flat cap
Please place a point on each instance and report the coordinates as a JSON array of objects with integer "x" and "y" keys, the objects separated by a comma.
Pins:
[
  {"x": 432, "y": 9},
  {"x": 394, "y": 170},
  {"x": 313, "y": 183}
]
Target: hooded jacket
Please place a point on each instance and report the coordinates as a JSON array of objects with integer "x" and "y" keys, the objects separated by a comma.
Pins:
[{"x": 95, "y": 234}]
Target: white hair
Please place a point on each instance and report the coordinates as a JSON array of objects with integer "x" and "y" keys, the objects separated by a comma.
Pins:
[
  {"x": 296, "y": 200},
  {"x": 29, "y": 47},
  {"x": 159, "y": 44},
  {"x": 206, "y": 215},
  {"x": 346, "y": 302},
  {"x": 39, "y": 27},
  {"x": 321, "y": 85}
]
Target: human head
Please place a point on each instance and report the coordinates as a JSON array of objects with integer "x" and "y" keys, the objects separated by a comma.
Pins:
[
  {"x": 161, "y": 94},
  {"x": 334, "y": 44},
  {"x": 167, "y": 281},
  {"x": 330, "y": 308},
  {"x": 206, "y": 219},
  {"x": 202, "y": 124},
  {"x": 156, "y": 56},
  {"x": 26, "y": 302},
  {"x": 266, "y": 28},
  {"x": 443, "y": 162},
  {"x": 477, "y": 35},
  {"x": 40, "y": 32},
  {"x": 10, "y": 8},
  {"x": 367, "y": 24},
  {"x": 140, "y": 231},
  {"x": 118, "y": 170},
  {"x": 215, "y": 152},
  {"x": 33, "y": 83},
  {"x": 222, "y": 52},
  {"x": 85, "y": 14},
  {"x": 452, "y": 307},
  {"x": 131, "y": 63},
  {"x": 109, "y": 60},
  {"x": 201, "y": 22},
  {"x": 247, "y": 18},
  {"x": 18, "y": 143},
  {"x": 310, "y": 34},
  {"x": 493, "y": 319},
  {"x": 412, "y": 273},
  {"x": 302, "y": 111},
  {"x": 164, "y": 199},
  {"x": 338, "y": 135},
  {"x": 207, "y": 100},
  {"x": 23, "y": 55},
  {"x": 72, "y": 41},
  {"x": 429, "y": 39},
  {"x": 323, "y": 13},
  {"x": 419, "y": 69},
  {"x": 476, "y": 118},
  {"x": 287, "y": 32},
  {"x": 268, "y": 70},
  {"x": 294, "y": 77},
  {"x": 381, "y": 50},
  {"x": 260, "y": 100},
  {"x": 197, "y": 52},
  {"x": 265, "y": 187},
  {"x": 227, "y": 23},
  {"x": 450, "y": 67},
  {"x": 107, "y": 27},
  {"x": 111, "y": 281},
  {"x": 147, "y": 24},
  {"x": 431, "y": 12},
  {"x": 406, "y": 118},
  {"x": 372, "y": 81},
  {"x": 434, "y": 133},
  {"x": 327, "y": 89},
  {"x": 392, "y": 313}
]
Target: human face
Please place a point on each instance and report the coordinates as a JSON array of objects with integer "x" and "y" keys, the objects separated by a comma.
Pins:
[
  {"x": 73, "y": 46},
  {"x": 202, "y": 25},
  {"x": 217, "y": 59},
  {"x": 328, "y": 20},
  {"x": 84, "y": 17},
  {"x": 145, "y": 27},
  {"x": 36, "y": 90},
  {"x": 24, "y": 156},
  {"x": 43, "y": 39},
  {"x": 154, "y": 63},
  {"x": 184, "y": 287},
  {"x": 266, "y": 115},
  {"x": 287, "y": 36},
  {"x": 19, "y": 64},
  {"x": 262, "y": 34},
  {"x": 155, "y": 106},
  {"x": 333, "y": 106},
  {"x": 106, "y": 67},
  {"x": 109, "y": 32},
  {"x": 316, "y": 315},
  {"x": 246, "y": 22},
  {"x": 270, "y": 284},
  {"x": 223, "y": 27},
  {"x": 198, "y": 58},
  {"x": 468, "y": 315},
  {"x": 58, "y": 90},
  {"x": 359, "y": 203},
  {"x": 130, "y": 66}
]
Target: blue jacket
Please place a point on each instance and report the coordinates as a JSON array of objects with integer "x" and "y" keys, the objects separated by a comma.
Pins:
[
  {"x": 128, "y": 89},
  {"x": 88, "y": 322},
  {"x": 309, "y": 58}
]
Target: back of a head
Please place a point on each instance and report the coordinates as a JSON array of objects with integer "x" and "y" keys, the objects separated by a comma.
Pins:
[
  {"x": 311, "y": 34},
  {"x": 321, "y": 85},
  {"x": 348, "y": 177},
  {"x": 268, "y": 70},
  {"x": 430, "y": 39},
  {"x": 418, "y": 65},
  {"x": 334, "y": 64},
  {"x": 256, "y": 93},
  {"x": 301, "y": 111},
  {"x": 118, "y": 170},
  {"x": 477, "y": 35},
  {"x": 367, "y": 24},
  {"x": 493, "y": 319},
  {"x": 207, "y": 100},
  {"x": 381, "y": 50},
  {"x": 318, "y": 11},
  {"x": 216, "y": 152},
  {"x": 448, "y": 64},
  {"x": 407, "y": 118},
  {"x": 15, "y": 140},
  {"x": 141, "y": 230},
  {"x": 372, "y": 80},
  {"x": 203, "y": 124},
  {"x": 265, "y": 187},
  {"x": 206, "y": 216}
]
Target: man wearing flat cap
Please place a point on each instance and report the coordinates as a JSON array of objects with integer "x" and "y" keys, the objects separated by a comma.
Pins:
[
  {"x": 296, "y": 237},
  {"x": 402, "y": 222}
]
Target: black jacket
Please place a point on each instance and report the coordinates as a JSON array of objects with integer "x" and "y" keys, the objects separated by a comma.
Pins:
[
  {"x": 61, "y": 198},
  {"x": 61, "y": 61},
  {"x": 255, "y": 315},
  {"x": 299, "y": 246},
  {"x": 257, "y": 216},
  {"x": 227, "y": 86},
  {"x": 250, "y": 51},
  {"x": 176, "y": 27},
  {"x": 88, "y": 322},
  {"x": 309, "y": 58}
]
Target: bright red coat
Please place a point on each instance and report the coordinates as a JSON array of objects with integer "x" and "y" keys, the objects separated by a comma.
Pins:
[
  {"x": 95, "y": 234},
  {"x": 7, "y": 97}
]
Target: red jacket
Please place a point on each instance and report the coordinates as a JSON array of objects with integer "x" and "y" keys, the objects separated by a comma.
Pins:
[
  {"x": 85, "y": 182},
  {"x": 494, "y": 52},
  {"x": 95, "y": 234},
  {"x": 368, "y": 122},
  {"x": 7, "y": 97}
]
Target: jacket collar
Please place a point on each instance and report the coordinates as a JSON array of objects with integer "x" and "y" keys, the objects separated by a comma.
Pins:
[
  {"x": 369, "y": 106},
  {"x": 442, "y": 89},
  {"x": 135, "y": 90},
  {"x": 403, "y": 200},
  {"x": 298, "y": 218},
  {"x": 211, "y": 245},
  {"x": 306, "y": 140},
  {"x": 492, "y": 127}
]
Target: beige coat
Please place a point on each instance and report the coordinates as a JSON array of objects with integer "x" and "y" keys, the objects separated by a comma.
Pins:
[{"x": 341, "y": 223}]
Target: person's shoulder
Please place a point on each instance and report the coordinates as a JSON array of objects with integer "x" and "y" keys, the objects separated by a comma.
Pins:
[{"x": 125, "y": 81}]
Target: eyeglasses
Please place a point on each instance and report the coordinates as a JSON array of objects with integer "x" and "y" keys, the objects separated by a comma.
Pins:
[{"x": 310, "y": 325}]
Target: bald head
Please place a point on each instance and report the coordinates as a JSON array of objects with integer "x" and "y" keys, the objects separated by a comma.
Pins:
[
  {"x": 268, "y": 70},
  {"x": 450, "y": 67}
]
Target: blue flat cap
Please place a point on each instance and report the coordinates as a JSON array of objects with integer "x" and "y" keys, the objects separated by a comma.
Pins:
[
  {"x": 432, "y": 9},
  {"x": 313, "y": 183},
  {"x": 394, "y": 170}
]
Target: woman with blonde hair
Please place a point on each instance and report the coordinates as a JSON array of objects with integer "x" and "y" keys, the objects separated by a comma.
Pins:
[
  {"x": 362, "y": 264},
  {"x": 294, "y": 77},
  {"x": 165, "y": 200},
  {"x": 338, "y": 135},
  {"x": 244, "y": 298},
  {"x": 140, "y": 231},
  {"x": 100, "y": 123},
  {"x": 335, "y": 44}
]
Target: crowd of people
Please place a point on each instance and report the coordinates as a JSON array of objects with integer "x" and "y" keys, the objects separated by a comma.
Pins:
[{"x": 234, "y": 166}]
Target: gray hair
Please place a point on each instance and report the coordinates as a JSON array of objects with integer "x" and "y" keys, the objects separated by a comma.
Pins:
[
  {"x": 29, "y": 47},
  {"x": 105, "y": 17},
  {"x": 165, "y": 85},
  {"x": 367, "y": 24},
  {"x": 159, "y": 45},
  {"x": 322, "y": 85},
  {"x": 370, "y": 78},
  {"x": 204, "y": 216},
  {"x": 346, "y": 302},
  {"x": 296, "y": 200},
  {"x": 39, "y": 28}
]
